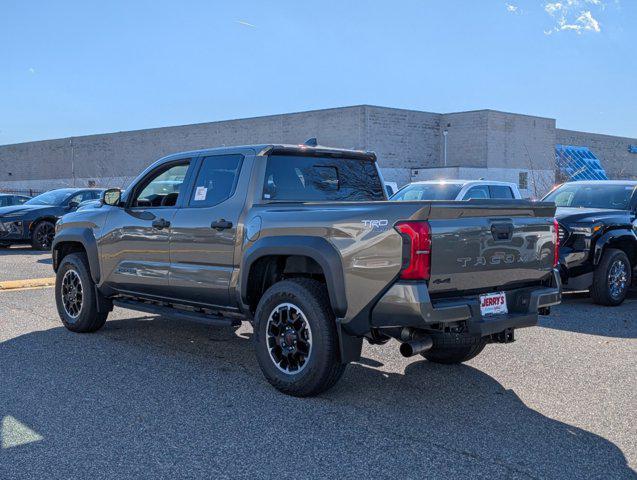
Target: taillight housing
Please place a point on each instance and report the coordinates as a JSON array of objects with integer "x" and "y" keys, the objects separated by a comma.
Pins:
[
  {"x": 416, "y": 250},
  {"x": 556, "y": 241}
]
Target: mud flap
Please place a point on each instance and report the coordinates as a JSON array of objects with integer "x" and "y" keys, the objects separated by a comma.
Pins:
[{"x": 349, "y": 345}]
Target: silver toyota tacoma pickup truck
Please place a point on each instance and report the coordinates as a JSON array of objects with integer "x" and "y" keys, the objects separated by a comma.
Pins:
[{"x": 302, "y": 242}]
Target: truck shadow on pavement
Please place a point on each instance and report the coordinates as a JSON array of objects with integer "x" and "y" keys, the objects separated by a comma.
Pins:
[
  {"x": 583, "y": 316},
  {"x": 150, "y": 398}
]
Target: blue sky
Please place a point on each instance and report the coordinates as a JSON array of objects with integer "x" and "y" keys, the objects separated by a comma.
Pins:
[{"x": 79, "y": 67}]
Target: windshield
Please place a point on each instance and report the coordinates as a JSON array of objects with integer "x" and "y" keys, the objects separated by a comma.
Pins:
[
  {"x": 428, "y": 191},
  {"x": 55, "y": 197},
  {"x": 614, "y": 197}
]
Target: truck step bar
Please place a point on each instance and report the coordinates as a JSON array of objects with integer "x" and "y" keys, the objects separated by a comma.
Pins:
[{"x": 175, "y": 312}]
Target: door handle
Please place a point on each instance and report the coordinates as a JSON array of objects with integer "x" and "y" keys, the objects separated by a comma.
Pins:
[
  {"x": 221, "y": 224},
  {"x": 161, "y": 223}
]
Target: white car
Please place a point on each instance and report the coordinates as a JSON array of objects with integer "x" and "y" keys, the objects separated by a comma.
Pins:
[{"x": 457, "y": 190}]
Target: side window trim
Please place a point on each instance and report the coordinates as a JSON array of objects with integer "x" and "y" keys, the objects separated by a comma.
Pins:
[
  {"x": 195, "y": 175},
  {"x": 150, "y": 175}
]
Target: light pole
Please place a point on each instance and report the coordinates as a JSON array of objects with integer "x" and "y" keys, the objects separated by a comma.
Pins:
[{"x": 444, "y": 134}]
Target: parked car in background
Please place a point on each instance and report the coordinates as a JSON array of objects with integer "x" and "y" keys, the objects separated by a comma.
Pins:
[
  {"x": 34, "y": 221},
  {"x": 391, "y": 188},
  {"x": 8, "y": 200},
  {"x": 457, "y": 190},
  {"x": 598, "y": 237},
  {"x": 301, "y": 241}
]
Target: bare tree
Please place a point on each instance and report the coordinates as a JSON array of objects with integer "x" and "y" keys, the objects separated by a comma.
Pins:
[{"x": 539, "y": 182}]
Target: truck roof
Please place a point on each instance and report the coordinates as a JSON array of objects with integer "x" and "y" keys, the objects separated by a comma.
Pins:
[
  {"x": 269, "y": 148},
  {"x": 461, "y": 182}
]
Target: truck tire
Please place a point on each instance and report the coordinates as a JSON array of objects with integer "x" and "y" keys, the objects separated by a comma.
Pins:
[
  {"x": 612, "y": 278},
  {"x": 75, "y": 295},
  {"x": 42, "y": 235},
  {"x": 450, "y": 353},
  {"x": 295, "y": 338}
]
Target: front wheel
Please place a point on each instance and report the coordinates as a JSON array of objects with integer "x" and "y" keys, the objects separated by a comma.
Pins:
[
  {"x": 42, "y": 235},
  {"x": 76, "y": 297},
  {"x": 612, "y": 278},
  {"x": 296, "y": 339}
]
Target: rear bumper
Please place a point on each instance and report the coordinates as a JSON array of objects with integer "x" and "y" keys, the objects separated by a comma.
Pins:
[{"x": 409, "y": 305}]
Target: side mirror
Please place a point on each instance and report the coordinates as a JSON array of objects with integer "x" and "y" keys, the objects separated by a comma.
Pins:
[
  {"x": 73, "y": 205},
  {"x": 112, "y": 197}
]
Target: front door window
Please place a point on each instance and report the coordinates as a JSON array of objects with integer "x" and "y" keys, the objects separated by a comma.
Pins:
[{"x": 163, "y": 189}]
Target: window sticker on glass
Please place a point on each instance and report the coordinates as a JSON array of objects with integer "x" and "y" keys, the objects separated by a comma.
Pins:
[{"x": 200, "y": 194}]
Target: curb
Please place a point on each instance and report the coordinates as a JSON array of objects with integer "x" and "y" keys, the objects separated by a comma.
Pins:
[{"x": 28, "y": 283}]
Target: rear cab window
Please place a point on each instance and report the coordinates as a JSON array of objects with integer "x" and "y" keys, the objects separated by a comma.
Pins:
[
  {"x": 501, "y": 192},
  {"x": 294, "y": 178}
]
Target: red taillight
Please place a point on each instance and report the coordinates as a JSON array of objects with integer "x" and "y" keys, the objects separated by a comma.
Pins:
[
  {"x": 556, "y": 241},
  {"x": 416, "y": 250}
]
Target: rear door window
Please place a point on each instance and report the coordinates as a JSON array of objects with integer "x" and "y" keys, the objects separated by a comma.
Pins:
[
  {"x": 311, "y": 179},
  {"x": 216, "y": 180},
  {"x": 501, "y": 191}
]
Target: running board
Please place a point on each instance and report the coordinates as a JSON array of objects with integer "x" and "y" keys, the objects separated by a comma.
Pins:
[{"x": 157, "y": 309}]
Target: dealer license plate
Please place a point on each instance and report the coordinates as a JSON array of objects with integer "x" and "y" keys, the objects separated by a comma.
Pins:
[{"x": 493, "y": 304}]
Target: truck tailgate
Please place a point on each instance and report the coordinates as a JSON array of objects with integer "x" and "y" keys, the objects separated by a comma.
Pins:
[{"x": 483, "y": 247}]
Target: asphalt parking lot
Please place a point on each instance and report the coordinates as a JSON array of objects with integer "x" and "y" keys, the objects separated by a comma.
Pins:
[{"x": 155, "y": 398}]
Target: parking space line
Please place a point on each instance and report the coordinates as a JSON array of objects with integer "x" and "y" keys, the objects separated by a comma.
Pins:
[{"x": 29, "y": 284}]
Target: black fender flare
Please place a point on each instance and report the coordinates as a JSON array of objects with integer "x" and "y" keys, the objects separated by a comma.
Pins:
[
  {"x": 317, "y": 248},
  {"x": 85, "y": 237},
  {"x": 611, "y": 236}
]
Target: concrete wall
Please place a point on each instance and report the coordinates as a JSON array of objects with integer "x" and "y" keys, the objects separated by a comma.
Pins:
[
  {"x": 402, "y": 139},
  {"x": 466, "y": 139},
  {"x": 613, "y": 152},
  {"x": 124, "y": 154},
  {"x": 520, "y": 141}
]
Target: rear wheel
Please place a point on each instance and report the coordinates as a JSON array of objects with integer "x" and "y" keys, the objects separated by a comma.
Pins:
[
  {"x": 42, "y": 235},
  {"x": 448, "y": 353},
  {"x": 296, "y": 339},
  {"x": 76, "y": 297},
  {"x": 612, "y": 278}
]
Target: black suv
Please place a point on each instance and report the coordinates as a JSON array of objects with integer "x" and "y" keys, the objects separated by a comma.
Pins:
[
  {"x": 598, "y": 237},
  {"x": 34, "y": 220}
]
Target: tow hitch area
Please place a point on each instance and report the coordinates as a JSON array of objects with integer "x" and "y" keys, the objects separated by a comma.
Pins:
[{"x": 507, "y": 336}]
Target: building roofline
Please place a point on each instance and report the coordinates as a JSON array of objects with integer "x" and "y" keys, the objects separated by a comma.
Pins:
[
  {"x": 488, "y": 110},
  {"x": 139, "y": 130},
  {"x": 274, "y": 115},
  {"x": 596, "y": 134}
]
